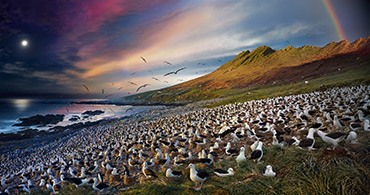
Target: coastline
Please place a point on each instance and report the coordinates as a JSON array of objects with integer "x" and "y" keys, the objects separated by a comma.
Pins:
[{"x": 31, "y": 138}]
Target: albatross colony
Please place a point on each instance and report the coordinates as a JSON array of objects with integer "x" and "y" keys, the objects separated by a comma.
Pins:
[{"x": 131, "y": 151}]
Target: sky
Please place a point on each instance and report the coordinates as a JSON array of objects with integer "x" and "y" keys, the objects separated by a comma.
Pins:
[{"x": 53, "y": 49}]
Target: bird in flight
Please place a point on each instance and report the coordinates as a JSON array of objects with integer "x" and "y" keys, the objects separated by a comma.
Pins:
[
  {"x": 102, "y": 91},
  {"x": 112, "y": 110},
  {"x": 143, "y": 59},
  {"x": 119, "y": 88},
  {"x": 86, "y": 87},
  {"x": 219, "y": 60},
  {"x": 108, "y": 95},
  {"x": 156, "y": 79},
  {"x": 183, "y": 68},
  {"x": 167, "y": 62},
  {"x": 67, "y": 109},
  {"x": 142, "y": 87},
  {"x": 129, "y": 109},
  {"x": 132, "y": 73},
  {"x": 132, "y": 83}
]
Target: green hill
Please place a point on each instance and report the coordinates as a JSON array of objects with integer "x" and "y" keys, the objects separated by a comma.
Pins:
[{"x": 266, "y": 72}]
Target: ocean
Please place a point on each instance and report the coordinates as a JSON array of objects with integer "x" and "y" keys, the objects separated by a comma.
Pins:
[{"x": 13, "y": 109}]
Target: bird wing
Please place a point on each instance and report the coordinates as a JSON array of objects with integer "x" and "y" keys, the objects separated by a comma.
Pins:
[
  {"x": 335, "y": 135},
  {"x": 142, "y": 87},
  {"x": 86, "y": 87},
  {"x": 132, "y": 83},
  {"x": 150, "y": 172},
  {"x": 102, "y": 185},
  {"x": 222, "y": 171},
  {"x": 264, "y": 170},
  {"x": 143, "y": 59},
  {"x": 180, "y": 70},
  {"x": 169, "y": 73},
  {"x": 176, "y": 172},
  {"x": 256, "y": 154},
  {"x": 202, "y": 174},
  {"x": 305, "y": 142}
]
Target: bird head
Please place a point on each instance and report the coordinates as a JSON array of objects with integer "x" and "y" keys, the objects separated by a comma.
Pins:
[
  {"x": 191, "y": 165},
  {"x": 231, "y": 170}
]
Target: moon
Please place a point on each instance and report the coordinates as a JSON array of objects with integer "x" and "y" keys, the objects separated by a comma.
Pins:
[{"x": 24, "y": 43}]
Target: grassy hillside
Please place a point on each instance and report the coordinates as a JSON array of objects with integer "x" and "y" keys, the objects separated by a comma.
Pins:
[{"x": 265, "y": 72}]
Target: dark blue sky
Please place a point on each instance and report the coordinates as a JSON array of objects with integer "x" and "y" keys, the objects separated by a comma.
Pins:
[{"x": 100, "y": 43}]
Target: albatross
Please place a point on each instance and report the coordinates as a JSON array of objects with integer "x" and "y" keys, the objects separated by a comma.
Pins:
[
  {"x": 197, "y": 176},
  {"x": 267, "y": 171},
  {"x": 223, "y": 172},
  {"x": 332, "y": 138},
  {"x": 309, "y": 141}
]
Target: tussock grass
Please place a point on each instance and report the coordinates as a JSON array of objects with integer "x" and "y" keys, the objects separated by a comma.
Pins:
[
  {"x": 342, "y": 171},
  {"x": 298, "y": 172}
]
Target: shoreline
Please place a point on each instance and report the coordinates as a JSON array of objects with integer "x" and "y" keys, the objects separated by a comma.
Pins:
[
  {"x": 37, "y": 139},
  {"x": 132, "y": 103}
]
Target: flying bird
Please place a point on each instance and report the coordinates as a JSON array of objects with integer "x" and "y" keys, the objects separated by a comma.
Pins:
[
  {"x": 129, "y": 109},
  {"x": 183, "y": 68},
  {"x": 108, "y": 95},
  {"x": 102, "y": 91},
  {"x": 156, "y": 79},
  {"x": 111, "y": 110},
  {"x": 132, "y": 73},
  {"x": 143, "y": 59},
  {"x": 142, "y": 87},
  {"x": 219, "y": 60},
  {"x": 67, "y": 109},
  {"x": 119, "y": 88},
  {"x": 132, "y": 83},
  {"x": 167, "y": 62},
  {"x": 86, "y": 87}
]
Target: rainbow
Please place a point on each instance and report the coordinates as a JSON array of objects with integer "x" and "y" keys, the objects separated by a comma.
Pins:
[{"x": 334, "y": 17}]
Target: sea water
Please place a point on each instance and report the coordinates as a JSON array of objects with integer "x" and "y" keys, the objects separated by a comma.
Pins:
[{"x": 13, "y": 109}]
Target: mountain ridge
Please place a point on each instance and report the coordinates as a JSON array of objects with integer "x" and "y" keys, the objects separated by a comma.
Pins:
[{"x": 266, "y": 66}]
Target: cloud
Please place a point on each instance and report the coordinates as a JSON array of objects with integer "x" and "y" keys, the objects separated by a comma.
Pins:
[{"x": 202, "y": 32}]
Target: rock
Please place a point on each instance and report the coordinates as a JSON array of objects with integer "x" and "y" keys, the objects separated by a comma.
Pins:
[
  {"x": 41, "y": 120},
  {"x": 93, "y": 113},
  {"x": 74, "y": 118}
]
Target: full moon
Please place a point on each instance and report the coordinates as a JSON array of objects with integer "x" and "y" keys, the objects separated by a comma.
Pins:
[{"x": 24, "y": 43}]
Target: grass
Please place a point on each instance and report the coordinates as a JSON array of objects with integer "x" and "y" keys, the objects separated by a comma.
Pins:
[
  {"x": 298, "y": 172},
  {"x": 350, "y": 78}
]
